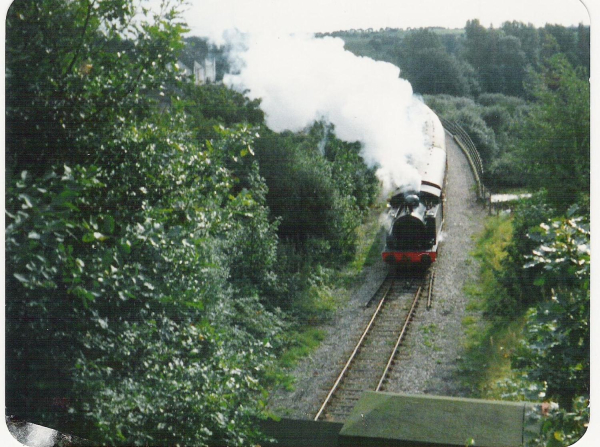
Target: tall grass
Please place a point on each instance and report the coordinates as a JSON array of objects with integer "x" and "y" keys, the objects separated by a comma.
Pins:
[
  {"x": 329, "y": 290},
  {"x": 486, "y": 368}
]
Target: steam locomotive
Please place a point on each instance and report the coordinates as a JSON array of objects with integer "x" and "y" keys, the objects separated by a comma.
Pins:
[{"x": 416, "y": 217}]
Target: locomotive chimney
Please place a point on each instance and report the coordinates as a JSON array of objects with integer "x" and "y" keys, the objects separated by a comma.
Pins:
[{"x": 412, "y": 201}]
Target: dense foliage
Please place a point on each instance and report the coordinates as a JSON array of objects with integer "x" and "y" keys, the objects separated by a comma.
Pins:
[
  {"x": 535, "y": 144},
  {"x": 472, "y": 60},
  {"x": 551, "y": 295},
  {"x": 318, "y": 196},
  {"x": 491, "y": 120},
  {"x": 160, "y": 239},
  {"x": 558, "y": 335},
  {"x": 499, "y": 60},
  {"x": 124, "y": 321},
  {"x": 430, "y": 69},
  {"x": 317, "y": 189},
  {"x": 150, "y": 254},
  {"x": 556, "y": 134},
  {"x": 72, "y": 74},
  {"x": 125, "y": 305},
  {"x": 543, "y": 276}
]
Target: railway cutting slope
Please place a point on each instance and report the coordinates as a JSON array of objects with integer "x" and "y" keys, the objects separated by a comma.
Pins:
[{"x": 429, "y": 355}]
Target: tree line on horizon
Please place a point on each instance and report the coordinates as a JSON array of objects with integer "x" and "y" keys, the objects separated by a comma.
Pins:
[{"x": 475, "y": 60}]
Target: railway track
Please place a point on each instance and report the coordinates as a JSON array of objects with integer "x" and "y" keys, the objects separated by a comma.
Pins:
[{"x": 373, "y": 357}]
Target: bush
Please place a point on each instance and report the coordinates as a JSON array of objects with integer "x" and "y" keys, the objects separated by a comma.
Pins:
[
  {"x": 497, "y": 118},
  {"x": 509, "y": 103},
  {"x": 119, "y": 290},
  {"x": 315, "y": 198},
  {"x": 468, "y": 115},
  {"x": 135, "y": 256},
  {"x": 558, "y": 334},
  {"x": 447, "y": 105},
  {"x": 483, "y": 137},
  {"x": 562, "y": 428},
  {"x": 555, "y": 136},
  {"x": 519, "y": 282},
  {"x": 506, "y": 171},
  {"x": 211, "y": 106},
  {"x": 491, "y": 123},
  {"x": 492, "y": 251}
]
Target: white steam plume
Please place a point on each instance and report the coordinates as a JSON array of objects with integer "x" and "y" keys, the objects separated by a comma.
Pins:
[{"x": 301, "y": 79}]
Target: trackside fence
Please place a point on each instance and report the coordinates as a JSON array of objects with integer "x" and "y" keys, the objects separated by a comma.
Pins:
[{"x": 468, "y": 147}]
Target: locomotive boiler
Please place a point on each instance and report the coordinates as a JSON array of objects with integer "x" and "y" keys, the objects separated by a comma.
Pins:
[{"x": 416, "y": 217}]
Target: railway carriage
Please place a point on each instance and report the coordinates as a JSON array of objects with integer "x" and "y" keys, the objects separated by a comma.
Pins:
[{"x": 417, "y": 216}]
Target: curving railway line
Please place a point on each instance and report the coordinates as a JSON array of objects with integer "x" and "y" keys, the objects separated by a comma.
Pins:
[{"x": 375, "y": 354}]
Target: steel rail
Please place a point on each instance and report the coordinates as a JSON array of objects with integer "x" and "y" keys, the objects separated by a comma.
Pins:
[
  {"x": 400, "y": 338},
  {"x": 354, "y": 352},
  {"x": 430, "y": 289},
  {"x": 377, "y": 291}
]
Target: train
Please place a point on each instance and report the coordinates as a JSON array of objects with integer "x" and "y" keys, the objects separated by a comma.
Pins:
[{"x": 416, "y": 217}]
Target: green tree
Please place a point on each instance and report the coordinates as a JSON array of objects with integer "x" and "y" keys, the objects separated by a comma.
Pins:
[
  {"x": 566, "y": 40},
  {"x": 556, "y": 134},
  {"x": 72, "y": 72},
  {"x": 583, "y": 46},
  {"x": 352, "y": 176},
  {"x": 558, "y": 335},
  {"x": 132, "y": 314},
  {"x": 469, "y": 115},
  {"x": 512, "y": 63},
  {"x": 548, "y": 46},
  {"x": 477, "y": 46},
  {"x": 318, "y": 186},
  {"x": 498, "y": 59},
  {"x": 529, "y": 37},
  {"x": 302, "y": 191},
  {"x": 556, "y": 348},
  {"x": 426, "y": 64},
  {"x": 129, "y": 313},
  {"x": 211, "y": 106}
]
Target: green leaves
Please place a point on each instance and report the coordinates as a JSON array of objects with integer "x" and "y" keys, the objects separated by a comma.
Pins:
[
  {"x": 562, "y": 428},
  {"x": 556, "y": 348},
  {"x": 78, "y": 75},
  {"x": 430, "y": 69},
  {"x": 556, "y": 135},
  {"x": 91, "y": 237},
  {"x": 142, "y": 263},
  {"x": 125, "y": 238},
  {"x": 564, "y": 251},
  {"x": 112, "y": 263}
]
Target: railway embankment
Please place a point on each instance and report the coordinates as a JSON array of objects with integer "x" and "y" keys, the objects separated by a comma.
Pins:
[{"x": 428, "y": 362}]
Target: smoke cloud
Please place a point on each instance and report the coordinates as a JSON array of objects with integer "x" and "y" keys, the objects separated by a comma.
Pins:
[{"x": 301, "y": 79}]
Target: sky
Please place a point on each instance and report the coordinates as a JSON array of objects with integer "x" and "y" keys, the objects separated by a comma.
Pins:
[{"x": 211, "y": 17}]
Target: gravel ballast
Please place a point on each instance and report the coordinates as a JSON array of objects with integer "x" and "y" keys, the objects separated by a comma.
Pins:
[{"x": 429, "y": 358}]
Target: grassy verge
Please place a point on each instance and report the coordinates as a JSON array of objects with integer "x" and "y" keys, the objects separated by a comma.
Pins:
[
  {"x": 486, "y": 367},
  {"x": 370, "y": 244},
  {"x": 330, "y": 291}
]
